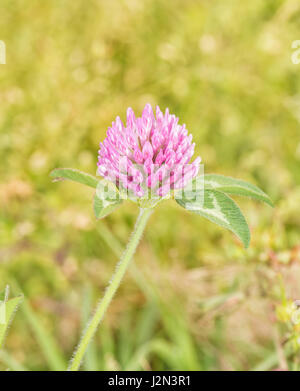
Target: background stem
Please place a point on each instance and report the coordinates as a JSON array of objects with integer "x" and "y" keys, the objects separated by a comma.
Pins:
[{"x": 111, "y": 289}]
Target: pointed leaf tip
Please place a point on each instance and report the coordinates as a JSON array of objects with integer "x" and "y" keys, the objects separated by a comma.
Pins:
[{"x": 74, "y": 175}]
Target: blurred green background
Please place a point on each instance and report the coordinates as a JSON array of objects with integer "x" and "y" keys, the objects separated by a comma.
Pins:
[{"x": 193, "y": 299}]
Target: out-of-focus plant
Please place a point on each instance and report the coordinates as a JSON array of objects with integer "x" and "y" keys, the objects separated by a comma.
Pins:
[
  {"x": 147, "y": 161},
  {"x": 7, "y": 309},
  {"x": 288, "y": 314}
]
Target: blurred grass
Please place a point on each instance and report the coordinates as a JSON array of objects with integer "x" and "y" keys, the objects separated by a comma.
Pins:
[{"x": 194, "y": 298}]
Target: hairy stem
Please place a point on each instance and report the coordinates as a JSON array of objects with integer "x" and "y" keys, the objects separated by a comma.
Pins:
[{"x": 111, "y": 289}]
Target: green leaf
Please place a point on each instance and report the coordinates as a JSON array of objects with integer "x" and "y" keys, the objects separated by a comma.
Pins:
[
  {"x": 220, "y": 209},
  {"x": 74, "y": 175},
  {"x": 7, "y": 309},
  {"x": 235, "y": 186},
  {"x": 105, "y": 205}
]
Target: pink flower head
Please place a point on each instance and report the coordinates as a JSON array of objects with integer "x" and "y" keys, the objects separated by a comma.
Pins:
[{"x": 151, "y": 152}]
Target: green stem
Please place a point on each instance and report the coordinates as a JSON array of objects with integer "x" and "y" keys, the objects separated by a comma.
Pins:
[{"x": 111, "y": 289}]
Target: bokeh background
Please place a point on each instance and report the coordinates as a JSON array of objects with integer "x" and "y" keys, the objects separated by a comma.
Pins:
[{"x": 193, "y": 299}]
